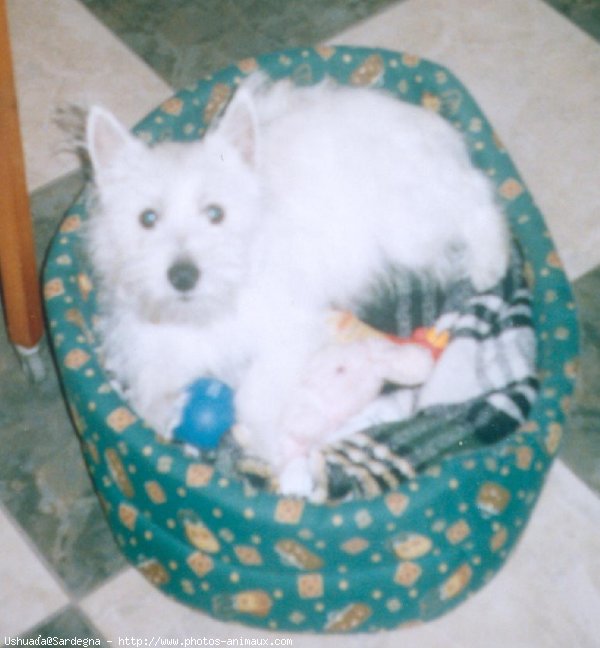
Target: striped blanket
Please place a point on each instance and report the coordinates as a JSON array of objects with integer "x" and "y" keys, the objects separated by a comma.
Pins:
[{"x": 481, "y": 389}]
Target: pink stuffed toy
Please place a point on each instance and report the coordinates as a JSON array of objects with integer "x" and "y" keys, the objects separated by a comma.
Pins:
[{"x": 345, "y": 376}]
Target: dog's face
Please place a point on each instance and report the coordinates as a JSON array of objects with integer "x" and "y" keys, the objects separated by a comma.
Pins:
[{"x": 174, "y": 223}]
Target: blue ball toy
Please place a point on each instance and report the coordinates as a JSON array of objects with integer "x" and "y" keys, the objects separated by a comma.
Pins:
[{"x": 207, "y": 415}]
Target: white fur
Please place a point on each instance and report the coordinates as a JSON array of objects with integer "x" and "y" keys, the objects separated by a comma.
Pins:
[{"x": 323, "y": 188}]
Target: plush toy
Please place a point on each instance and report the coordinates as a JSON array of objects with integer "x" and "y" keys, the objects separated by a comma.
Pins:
[
  {"x": 207, "y": 414},
  {"x": 340, "y": 380}
]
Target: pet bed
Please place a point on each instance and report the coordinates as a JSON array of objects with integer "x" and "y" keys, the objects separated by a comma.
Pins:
[{"x": 376, "y": 557}]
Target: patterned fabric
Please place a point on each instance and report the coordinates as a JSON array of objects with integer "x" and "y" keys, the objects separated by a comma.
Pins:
[{"x": 409, "y": 554}]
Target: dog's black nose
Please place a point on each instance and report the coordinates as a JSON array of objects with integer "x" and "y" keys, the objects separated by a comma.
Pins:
[{"x": 183, "y": 275}]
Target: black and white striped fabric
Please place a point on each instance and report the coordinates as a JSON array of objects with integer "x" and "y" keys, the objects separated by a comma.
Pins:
[{"x": 481, "y": 389}]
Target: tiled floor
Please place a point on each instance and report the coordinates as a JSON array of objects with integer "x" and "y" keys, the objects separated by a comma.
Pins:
[{"x": 536, "y": 76}]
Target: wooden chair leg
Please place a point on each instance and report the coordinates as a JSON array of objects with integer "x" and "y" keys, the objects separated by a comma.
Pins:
[{"x": 18, "y": 268}]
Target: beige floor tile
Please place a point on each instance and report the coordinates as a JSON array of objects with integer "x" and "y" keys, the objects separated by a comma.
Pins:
[
  {"x": 536, "y": 77},
  {"x": 63, "y": 55},
  {"x": 28, "y": 593}
]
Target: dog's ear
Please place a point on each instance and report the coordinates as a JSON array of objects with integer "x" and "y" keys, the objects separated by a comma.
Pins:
[
  {"x": 238, "y": 126},
  {"x": 107, "y": 140}
]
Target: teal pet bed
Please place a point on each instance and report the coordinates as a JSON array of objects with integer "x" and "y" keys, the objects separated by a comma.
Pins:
[{"x": 370, "y": 559}]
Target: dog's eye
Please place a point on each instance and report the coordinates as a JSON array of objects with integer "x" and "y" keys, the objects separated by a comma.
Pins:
[
  {"x": 148, "y": 218},
  {"x": 215, "y": 214}
]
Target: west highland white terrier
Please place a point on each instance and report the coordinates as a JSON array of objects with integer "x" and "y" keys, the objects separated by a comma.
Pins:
[{"x": 221, "y": 257}]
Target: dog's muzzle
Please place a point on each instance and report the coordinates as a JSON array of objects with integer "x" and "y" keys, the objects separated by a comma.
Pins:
[{"x": 183, "y": 275}]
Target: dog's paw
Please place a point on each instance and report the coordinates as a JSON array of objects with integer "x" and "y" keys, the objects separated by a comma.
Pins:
[
  {"x": 295, "y": 479},
  {"x": 242, "y": 435}
]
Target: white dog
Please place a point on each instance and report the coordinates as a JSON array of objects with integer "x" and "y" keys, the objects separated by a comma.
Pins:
[{"x": 220, "y": 257}]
